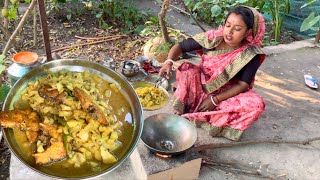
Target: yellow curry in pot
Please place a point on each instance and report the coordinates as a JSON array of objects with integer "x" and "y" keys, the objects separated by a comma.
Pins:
[{"x": 71, "y": 123}]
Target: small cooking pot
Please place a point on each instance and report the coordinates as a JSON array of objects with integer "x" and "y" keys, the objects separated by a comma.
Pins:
[
  {"x": 168, "y": 134},
  {"x": 130, "y": 68}
]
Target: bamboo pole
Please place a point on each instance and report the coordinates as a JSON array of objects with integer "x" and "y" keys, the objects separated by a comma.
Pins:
[
  {"x": 5, "y": 20},
  {"x": 44, "y": 27},
  {"x": 316, "y": 40},
  {"x": 35, "y": 34},
  {"x": 19, "y": 27}
]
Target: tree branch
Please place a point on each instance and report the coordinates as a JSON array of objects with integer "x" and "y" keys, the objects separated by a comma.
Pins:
[
  {"x": 190, "y": 13},
  {"x": 161, "y": 16},
  {"x": 20, "y": 25},
  {"x": 98, "y": 38},
  {"x": 90, "y": 43},
  {"x": 5, "y": 31}
]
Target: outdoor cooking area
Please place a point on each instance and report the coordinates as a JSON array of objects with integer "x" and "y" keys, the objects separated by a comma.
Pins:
[
  {"x": 143, "y": 89},
  {"x": 167, "y": 140}
]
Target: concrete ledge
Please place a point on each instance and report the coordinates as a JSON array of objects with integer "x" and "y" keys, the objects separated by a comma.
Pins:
[{"x": 290, "y": 47}]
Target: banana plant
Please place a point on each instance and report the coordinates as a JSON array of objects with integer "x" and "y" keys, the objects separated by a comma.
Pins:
[
  {"x": 312, "y": 22},
  {"x": 278, "y": 10}
]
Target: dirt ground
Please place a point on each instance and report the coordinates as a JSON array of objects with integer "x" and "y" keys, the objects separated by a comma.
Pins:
[{"x": 63, "y": 32}]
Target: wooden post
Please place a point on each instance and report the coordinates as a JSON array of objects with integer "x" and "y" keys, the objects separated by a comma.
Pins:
[
  {"x": 44, "y": 27},
  {"x": 317, "y": 37},
  {"x": 5, "y": 20},
  {"x": 35, "y": 23}
]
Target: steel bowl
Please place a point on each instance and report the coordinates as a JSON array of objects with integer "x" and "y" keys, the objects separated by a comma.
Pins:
[
  {"x": 152, "y": 78},
  {"x": 76, "y": 66},
  {"x": 130, "y": 68},
  {"x": 168, "y": 134}
]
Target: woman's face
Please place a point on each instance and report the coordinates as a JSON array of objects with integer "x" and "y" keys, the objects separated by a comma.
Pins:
[{"x": 234, "y": 30}]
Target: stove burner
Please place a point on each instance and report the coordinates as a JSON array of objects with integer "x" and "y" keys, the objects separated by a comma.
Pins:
[
  {"x": 163, "y": 155},
  {"x": 166, "y": 145}
]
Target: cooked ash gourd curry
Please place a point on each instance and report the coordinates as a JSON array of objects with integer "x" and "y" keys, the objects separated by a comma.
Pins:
[
  {"x": 150, "y": 96},
  {"x": 71, "y": 123}
]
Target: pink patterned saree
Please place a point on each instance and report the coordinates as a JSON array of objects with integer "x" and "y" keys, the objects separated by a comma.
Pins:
[{"x": 214, "y": 75}]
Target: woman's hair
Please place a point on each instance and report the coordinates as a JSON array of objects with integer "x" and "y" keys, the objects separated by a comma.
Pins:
[{"x": 245, "y": 13}]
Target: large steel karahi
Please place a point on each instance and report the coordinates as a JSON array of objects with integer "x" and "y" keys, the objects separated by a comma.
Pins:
[
  {"x": 168, "y": 134},
  {"x": 74, "y": 65}
]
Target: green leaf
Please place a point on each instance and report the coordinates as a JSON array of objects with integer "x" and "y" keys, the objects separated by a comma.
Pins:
[
  {"x": 69, "y": 16},
  {"x": 165, "y": 47},
  {"x": 139, "y": 29},
  {"x": 99, "y": 15},
  {"x": 62, "y": 1},
  {"x": 197, "y": 6},
  {"x": 145, "y": 31},
  {"x": 307, "y": 4},
  {"x": 215, "y": 10},
  {"x": 309, "y": 22},
  {"x": 27, "y": 1},
  {"x": 129, "y": 23},
  {"x": 4, "y": 90},
  {"x": 187, "y": 2},
  {"x": 13, "y": 12},
  {"x": 2, "y": 58},
  {"x": 243, "y": 1},
  {"x": 2, "y": 68},
  {"x": 105, "y": 26}
]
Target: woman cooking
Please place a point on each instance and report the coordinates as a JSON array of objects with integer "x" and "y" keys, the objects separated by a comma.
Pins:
[{"x": 217, "y": 94}]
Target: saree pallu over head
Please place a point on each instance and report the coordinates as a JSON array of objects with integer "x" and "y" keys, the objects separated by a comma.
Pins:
[{"x": 219, "y": 67}]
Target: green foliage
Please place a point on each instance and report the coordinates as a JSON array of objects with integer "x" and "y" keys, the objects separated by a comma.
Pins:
[
  {"x": 312, "y": 22},
  {"x": 258, "y": 4},
  {"x": 11, "y": 12},
  {"x": 215, "y": 11},
  {"x": 165, "y": 47},
  {"x": 151, "y": 27},
  {"x": 278, "y": 9},
  {"x": 121, "y": 13},
  {"x": 2, "y": 67},
  {"x": 211, "y": 11},
  {"x": 4, "y": 90}
]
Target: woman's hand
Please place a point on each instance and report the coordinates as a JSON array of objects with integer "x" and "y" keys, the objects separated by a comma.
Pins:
[
  {"x": 206, "y": 105},
  {"x": 166, "y": 69}
]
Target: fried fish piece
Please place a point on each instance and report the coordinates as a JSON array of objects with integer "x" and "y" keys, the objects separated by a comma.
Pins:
[
  {"x": 51, "y": 131},
  {"x": 53, "y": 95},
  {"x": 26, "y": 120},
  {"x": 88, "y": 105},
  {"x": 56, "y": 151}
]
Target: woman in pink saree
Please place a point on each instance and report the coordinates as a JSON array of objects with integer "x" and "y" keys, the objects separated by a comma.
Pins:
[{"x": 217, "y": 94}]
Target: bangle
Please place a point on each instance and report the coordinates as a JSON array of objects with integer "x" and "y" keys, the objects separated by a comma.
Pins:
[
  {"x": 218, "y": 100},
  {"x": 213, "y": 101},
  {"x": 169, "y": 60}
]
